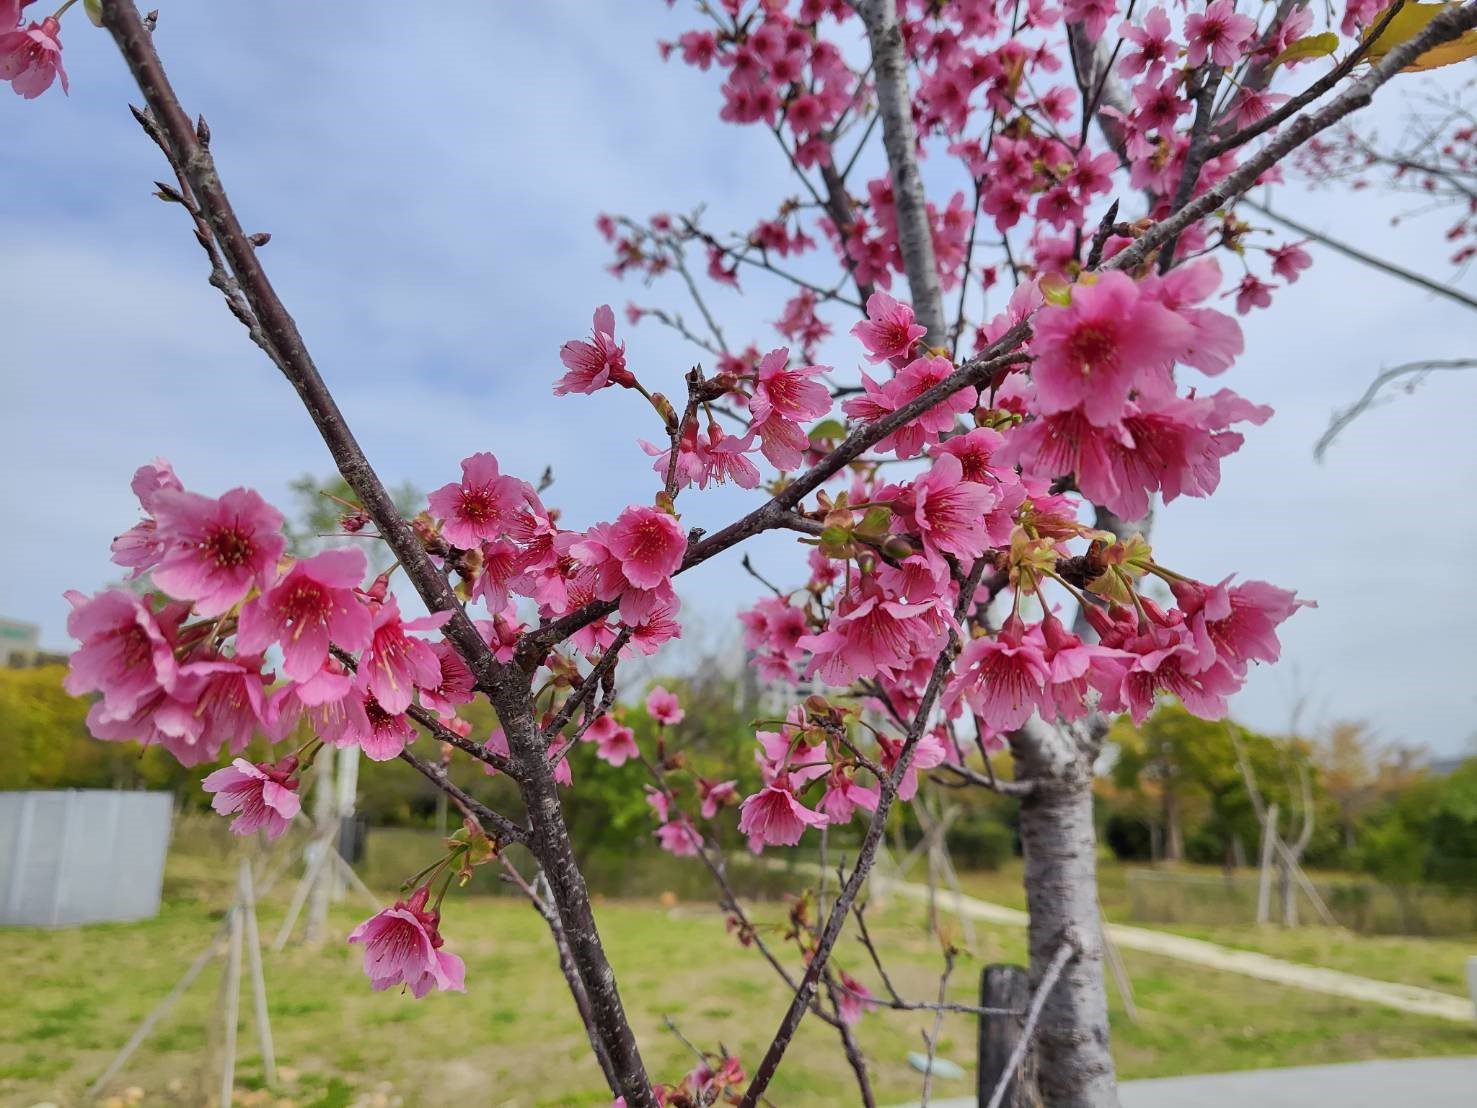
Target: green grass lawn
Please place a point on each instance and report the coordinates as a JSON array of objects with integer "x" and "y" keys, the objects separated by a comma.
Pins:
[
  {"x": 73, "y": 996},
  {"x": 1431, "y": 963}
]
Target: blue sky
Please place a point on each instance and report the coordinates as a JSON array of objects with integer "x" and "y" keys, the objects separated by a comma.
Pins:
[{"x": 431, "y": 186}]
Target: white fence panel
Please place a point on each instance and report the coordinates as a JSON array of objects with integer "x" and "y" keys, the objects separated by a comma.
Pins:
[{"x": 82, "y": 855}]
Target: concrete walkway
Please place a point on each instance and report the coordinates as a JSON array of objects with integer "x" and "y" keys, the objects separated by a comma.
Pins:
[
  {"x": 1405, "y": 998},
  {"x": 1422, "y": 1082}
]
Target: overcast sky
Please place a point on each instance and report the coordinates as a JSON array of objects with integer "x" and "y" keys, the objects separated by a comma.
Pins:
[{"x": 430, "y": 186}]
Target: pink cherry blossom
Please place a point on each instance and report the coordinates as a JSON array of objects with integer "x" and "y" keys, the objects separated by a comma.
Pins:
[
  {"x": 313, "y": 605},
  {"x": 656, "y": 625},
  {"x": 679, "y": 837},
  {"x": 228, "y": 698},
  {"x": 456, "y": 683},
  {"x": 890, "y": 330},
  {"x": 1289, "y": 261},
  {"x": 140, "y": 547},
  {"x": 843, "y": 796},
  {"x": 852, "y": 999},
  {"x": 1001, "y": 676},
  {"x": 31, "y": 58},
  {"x": 914, "y": 379},
  {"x": 715, "y": 458},
  {"x": 1092, "y": 14},
  {"x": 774, "y": 816},
  {"x": 614, "y": 743},
  {"x": 402, "y": 946},
  {"x": 264, "y": 795},
  {"x": 1090, "y": 352},
  {"x": 1162, "y": 656},
  {"x": 1153, "y": 45},
  {"x": 870, "y": 632},
  {"x": 1251, "y": 293},
  {"x": 216, "y": 551},
  {"x": 394, "y": 663},
  {"x": 715, "y": 795},
  {"x": 1219, "y": 34},
  {"x": 596, "y": 364},
  {"x": 127, "y": 651},
  {"x": 1216, "y": 339},
  {"x": 787, "y": 393},
  {"x": 1236, "y": 624},
  {"x": 649, "y": 545},
  {"x": 663, "y": 707},
  {"x": 374, "y": 729},
  {"x": 928, "y": 752},
  {"x": 479, "y": 507},
  {"x": 946, "y": 511}
]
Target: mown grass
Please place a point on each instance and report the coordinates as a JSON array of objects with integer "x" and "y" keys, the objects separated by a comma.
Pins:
[
  {"x": 72, "y": 996},
  {"x": 1430, "y": 963}
]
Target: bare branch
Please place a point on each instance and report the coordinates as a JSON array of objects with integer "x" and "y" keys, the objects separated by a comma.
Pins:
[
  {"x": 504, "y": 829},
  {"x": 1428, "y": 283},
  {"x": 1415, "y": 370}
]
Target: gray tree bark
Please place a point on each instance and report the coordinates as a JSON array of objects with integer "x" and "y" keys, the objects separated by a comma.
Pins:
[
  {"x": 1075, "y": 1067},
  {"x": 900, "y": 140}
]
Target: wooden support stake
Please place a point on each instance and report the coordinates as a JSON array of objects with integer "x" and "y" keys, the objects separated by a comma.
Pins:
[
  {"x": 232, "y": 1007},
  {"x": 197, "y": 967},
  {"x": 1264, "y": 886},
  {"x": 1120, "y": 971},
  {"x": 1005, "y": 987},
  {"x": 258, "y": 979}
]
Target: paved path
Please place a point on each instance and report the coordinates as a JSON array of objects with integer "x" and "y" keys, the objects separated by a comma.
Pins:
[
  {"x": 1406, "y": 998},
  {"x": 1422, "y": 1082}
]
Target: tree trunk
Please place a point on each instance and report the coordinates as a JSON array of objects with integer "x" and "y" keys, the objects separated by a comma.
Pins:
[
  {"x": 551, "y": 845},
  {"x": 1075, "y": 1066},
  {"x": 900, "y": 139},
  {"x": 1174, "y": 836}
]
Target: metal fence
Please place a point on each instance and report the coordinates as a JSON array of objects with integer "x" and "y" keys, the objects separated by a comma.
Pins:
[
  {"x": 82, "y": 855},
  {"x": 1159, "y": 896}
]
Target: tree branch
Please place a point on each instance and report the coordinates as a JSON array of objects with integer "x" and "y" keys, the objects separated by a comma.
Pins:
[
  {"x": 1430, "y": 284},
  {"x": 192, "y": 159},
  {"x": 848, "y": 894},
  {"x": 1345, "y": 416}
]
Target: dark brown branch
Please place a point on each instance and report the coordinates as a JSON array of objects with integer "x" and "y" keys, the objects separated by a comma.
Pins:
[
  {"x": 433, "y": 725},
  {"x": 576, "y": 700},
  {"x": 549, "y": 838},
  {"x": 503, "y": 829},
  {"x": 567, "y": 967}
]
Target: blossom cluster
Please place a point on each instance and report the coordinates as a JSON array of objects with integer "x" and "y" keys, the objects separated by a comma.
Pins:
[
  {"x": 993, "y": 89},
  {"x": 940, "y": 555}
]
